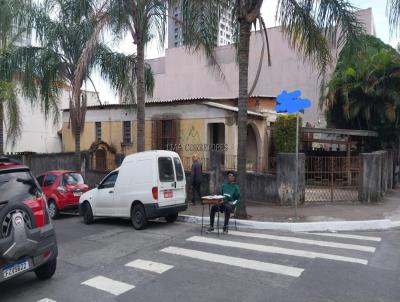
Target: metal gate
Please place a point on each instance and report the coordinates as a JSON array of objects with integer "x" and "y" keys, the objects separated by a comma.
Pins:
[{"x": 332, "y": 178}]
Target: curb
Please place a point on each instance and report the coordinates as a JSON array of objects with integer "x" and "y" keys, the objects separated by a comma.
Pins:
[{"x": 332, "y": 226}]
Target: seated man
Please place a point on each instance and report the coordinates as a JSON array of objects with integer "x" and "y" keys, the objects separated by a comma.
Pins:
[{"x": 231, "y": 193}]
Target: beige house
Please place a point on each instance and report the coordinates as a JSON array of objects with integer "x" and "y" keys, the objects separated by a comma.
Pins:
[{"x": 185, "y": 126}]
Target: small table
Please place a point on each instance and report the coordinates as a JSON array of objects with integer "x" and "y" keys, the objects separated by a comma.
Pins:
[{"x": 206, "y": 200}]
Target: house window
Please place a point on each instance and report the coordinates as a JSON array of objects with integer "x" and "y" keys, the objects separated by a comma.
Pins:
[
  {"x": 176, "y": 44},
  {"x": 126, "y": 134},
  {"x": 98, "y": 131},
  {"x": 166, "y": 134}
]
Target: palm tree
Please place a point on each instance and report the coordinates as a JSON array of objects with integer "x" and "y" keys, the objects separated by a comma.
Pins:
[
  {"x": 141, "y": 19},
  {"x": 21, "y": 72},
  {"x": 69, "y": 32},
  {"x": 311, "y": 27}
]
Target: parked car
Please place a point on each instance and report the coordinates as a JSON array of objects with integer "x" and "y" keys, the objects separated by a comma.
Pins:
[
  {"x": 63, "y": 190},
  {"x": 147, "y": 185},
  {"x": 27, "y": 238}
]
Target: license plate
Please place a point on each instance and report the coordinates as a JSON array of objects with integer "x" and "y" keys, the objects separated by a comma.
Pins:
[
  {"x": 77, "y": 194},
  {"x": 168, "y": 194},
  {"x": 16, "y": 268}
]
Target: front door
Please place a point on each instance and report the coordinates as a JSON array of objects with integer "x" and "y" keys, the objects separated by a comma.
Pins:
[
  {"x": 105, "y": 195},
  {"x": 48, "y": 184}
]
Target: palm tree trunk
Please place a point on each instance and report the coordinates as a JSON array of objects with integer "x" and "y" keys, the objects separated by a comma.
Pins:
[
  {"x": 78, "y": 148},
  {"x": 140, "y": 98},
  {"x": 1, "y": 128},
  {"x": 244, "y": 46}
]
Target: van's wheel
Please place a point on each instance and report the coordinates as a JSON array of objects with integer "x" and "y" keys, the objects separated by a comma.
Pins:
[
  {"x": 87, "y": 214},
  {"x": 138, "y": 217},
  {"x": 47, "y": 270},
  {"x": 171, "y": 218},
  {"x": 54, "y": 213}
]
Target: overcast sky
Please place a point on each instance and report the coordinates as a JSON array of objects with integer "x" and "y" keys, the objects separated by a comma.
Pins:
[{"x": 268, "y": 11}]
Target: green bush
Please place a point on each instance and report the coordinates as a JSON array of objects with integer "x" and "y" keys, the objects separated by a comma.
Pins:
[{"x": 285, "y": 133}]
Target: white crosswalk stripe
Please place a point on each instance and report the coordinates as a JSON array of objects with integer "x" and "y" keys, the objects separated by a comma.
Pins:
[
  {"x": 235, "y": 261},
  {"x": 151, "y": 266},
  {"x": 362, "y": 248},
  {"x": 46, "y": 300},
  {"x": 276, "y": 250},
  {"x": 347, "y": 236},
  {"x": 108, "y": 285}
]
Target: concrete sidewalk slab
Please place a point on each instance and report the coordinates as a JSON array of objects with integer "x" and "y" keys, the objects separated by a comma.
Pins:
[
  {"x": 330, "y": 226},
  {"x": 344, "y": 216}
]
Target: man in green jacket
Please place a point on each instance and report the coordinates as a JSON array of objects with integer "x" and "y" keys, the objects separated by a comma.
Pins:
[{"x": 231, "y": 193}]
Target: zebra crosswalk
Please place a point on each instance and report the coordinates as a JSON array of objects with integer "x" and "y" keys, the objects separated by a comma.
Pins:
[{"x": 262, "y": 252}]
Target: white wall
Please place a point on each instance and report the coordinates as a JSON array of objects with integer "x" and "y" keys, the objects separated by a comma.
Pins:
[
  {"x": 38, "y": 134},
  {"x": 181, "y": 75}
]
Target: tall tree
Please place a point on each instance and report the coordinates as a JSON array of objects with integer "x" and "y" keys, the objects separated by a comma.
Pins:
[
  {"x": 22, "y": 73},
  {"x": 142, "y": 19},
  {"x": 311, "y": 27},
  {"x": 364, "y": 92},
  {"x": 69, "y": 32}
]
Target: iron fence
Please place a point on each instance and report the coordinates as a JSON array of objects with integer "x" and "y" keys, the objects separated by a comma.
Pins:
[{"x": 332, "y": 178}]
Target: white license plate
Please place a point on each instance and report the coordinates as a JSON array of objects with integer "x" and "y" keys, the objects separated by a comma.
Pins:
[
  {"x": 16, "y": 268},
  {"x": 77, "y": 194}
]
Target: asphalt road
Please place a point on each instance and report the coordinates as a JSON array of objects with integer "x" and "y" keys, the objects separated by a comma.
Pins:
[{"x": 242, "y": 266}]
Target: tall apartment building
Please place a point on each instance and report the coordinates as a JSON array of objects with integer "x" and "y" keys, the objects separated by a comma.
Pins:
[{"x": 225, "y": 33}]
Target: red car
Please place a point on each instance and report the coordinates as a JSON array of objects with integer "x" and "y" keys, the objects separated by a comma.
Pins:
[{"x": 63, "y": 190}]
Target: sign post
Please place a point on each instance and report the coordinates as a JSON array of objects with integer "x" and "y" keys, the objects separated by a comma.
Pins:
[
  {"x": 297, "y": 164},
  {"x": 292, "y": 103}
]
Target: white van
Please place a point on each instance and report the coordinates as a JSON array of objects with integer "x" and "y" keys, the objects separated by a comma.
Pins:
[{"x": 147, "y": 185}]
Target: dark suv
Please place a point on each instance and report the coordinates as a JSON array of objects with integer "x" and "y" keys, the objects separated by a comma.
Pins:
[{"x": 27, "y": 237}]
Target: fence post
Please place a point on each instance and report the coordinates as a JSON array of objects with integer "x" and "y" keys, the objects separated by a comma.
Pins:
[
  {"x": 370, "y": 177},
  {"x": 286, "y": 178}
]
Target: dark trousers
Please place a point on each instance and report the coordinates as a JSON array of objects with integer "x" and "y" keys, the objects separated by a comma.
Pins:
[
  {"x": 195, "y": 189},
  {"x": 223, "y": 208}
]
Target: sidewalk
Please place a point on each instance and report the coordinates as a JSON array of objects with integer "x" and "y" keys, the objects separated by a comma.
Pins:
[{"x": 326, "y": 216}]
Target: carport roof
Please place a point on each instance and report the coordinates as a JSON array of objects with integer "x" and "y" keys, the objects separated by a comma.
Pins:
[
  {"x": 347, "y": 132},
  {"x": 232, "y": 108}
]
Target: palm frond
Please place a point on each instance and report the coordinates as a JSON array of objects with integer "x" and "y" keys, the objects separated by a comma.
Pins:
[
  {"x": 9, "y": 101},
  {"x": 313, "y": 26},
  {"x": 120, "y": 71},
  {"x": 393, "y": 11}
]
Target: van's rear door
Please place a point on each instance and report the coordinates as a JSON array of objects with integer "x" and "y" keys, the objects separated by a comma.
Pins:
[
  {"x": 170, "y": 190},
  {"x": 180, "y": 187}
]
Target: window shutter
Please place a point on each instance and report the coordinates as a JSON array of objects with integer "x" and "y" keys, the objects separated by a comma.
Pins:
[
  {"x": 177, "y": 131},
  {"x": 154, "y": 135}
]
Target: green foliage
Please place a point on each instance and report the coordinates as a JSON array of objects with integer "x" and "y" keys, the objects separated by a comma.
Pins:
[
  {"x": 285, "y": 133},
  {"x": 364, "y": 91},
  {"x": 21, "y": 71}
]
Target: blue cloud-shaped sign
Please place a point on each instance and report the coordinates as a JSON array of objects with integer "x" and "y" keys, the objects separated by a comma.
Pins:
[{"x": 290, "y": 102}]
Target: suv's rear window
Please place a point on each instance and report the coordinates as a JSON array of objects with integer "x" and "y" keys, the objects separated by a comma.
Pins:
[
  {"x": 72, "y": 179},
  {"x": 166, "y": 169},
  {"x": 18, "y": 185}
]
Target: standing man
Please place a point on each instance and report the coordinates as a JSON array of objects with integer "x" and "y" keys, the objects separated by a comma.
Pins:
[{"x": 195, "y": 177}]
